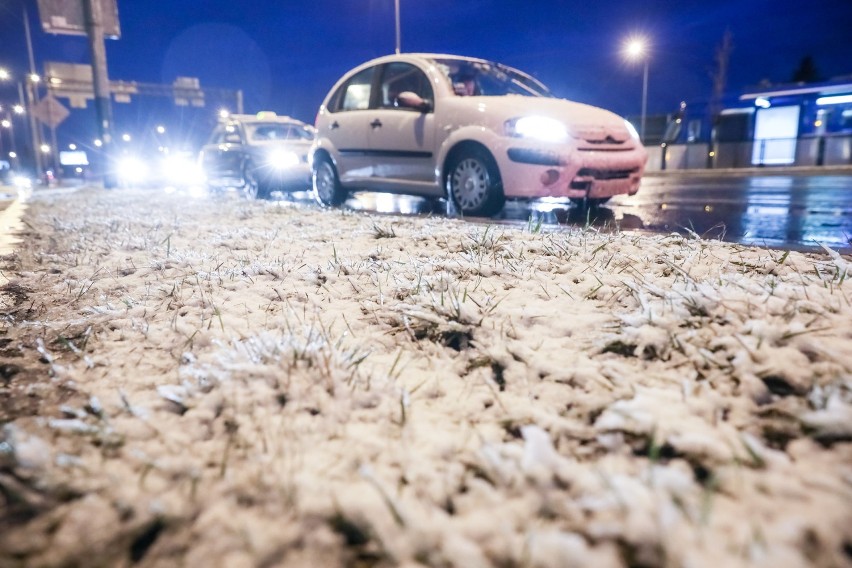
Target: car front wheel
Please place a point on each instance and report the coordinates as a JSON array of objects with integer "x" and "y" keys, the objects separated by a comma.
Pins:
[
  {"x": 251, "y": 187},
  {"x": 327, "y": 188},
  {"x": 474, "y": 185}
]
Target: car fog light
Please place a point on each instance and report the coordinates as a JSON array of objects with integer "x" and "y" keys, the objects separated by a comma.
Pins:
[{"x": 549, "y": 177}]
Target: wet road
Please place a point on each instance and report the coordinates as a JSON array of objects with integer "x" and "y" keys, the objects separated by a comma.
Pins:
[{"x": 797, "y": 211}]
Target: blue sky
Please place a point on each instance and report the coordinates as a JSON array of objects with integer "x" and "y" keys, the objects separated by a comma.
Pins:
[{"x": 285, "y": 55}]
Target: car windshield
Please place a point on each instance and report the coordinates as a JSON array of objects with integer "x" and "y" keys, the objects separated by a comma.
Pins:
[
  {"x": 484, "y": 78},
  {"x": 273, "y": 131}
]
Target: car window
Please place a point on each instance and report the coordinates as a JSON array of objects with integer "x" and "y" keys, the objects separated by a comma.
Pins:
[
  {"x": 355, "y": 94},
  {"x": 483, "y": 78},
  {"x": 401, "y": 77},
  {"x": 265, "y": 132}
]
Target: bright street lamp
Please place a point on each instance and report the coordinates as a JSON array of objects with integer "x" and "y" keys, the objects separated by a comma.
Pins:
[
  {"x": 4, "y": 75},
  {"x": 18, "y": 109},
  {"x": 45, "y": 149},
  {"x": 224, "y": 113},
  {"x": 161, "y": 129},
  {"x": 125, "y": 137},
  {"x": 6, "y": 123},
  {"x": 636, "y": 48},
  {"x": 34, "y": 78},
  {"x": 98, "y": 143},
  {"x": 72, "y": 146}
]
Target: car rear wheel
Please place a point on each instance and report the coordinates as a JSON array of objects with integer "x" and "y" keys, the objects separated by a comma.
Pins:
[
  {"x": 327, "y": 188},
  {"x": 474, "y": 184}
]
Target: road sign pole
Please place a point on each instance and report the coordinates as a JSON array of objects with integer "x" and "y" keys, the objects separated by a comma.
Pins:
[
  {"x": 95, "y": 33},
  {"x": 32, "y": 99}
]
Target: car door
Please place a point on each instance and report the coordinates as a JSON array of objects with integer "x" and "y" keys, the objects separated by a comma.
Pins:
[
  {"x": 347, "y": 126},
  {"x": 222, "y": 156},
  {"x": 402, "y": 139}
]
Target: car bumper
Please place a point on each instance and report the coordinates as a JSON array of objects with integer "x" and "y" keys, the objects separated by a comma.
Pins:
[
  {"x": 530, "y": 171},
  {"x": 290, "y": 179}
]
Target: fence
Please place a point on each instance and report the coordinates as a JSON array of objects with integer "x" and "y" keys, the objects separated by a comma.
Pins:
[{"x": 828, "y": 150}]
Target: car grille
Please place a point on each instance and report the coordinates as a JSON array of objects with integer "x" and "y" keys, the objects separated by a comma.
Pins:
[
  {"x": 585, "y": 176},
  {"x": 606, "y": 174}
]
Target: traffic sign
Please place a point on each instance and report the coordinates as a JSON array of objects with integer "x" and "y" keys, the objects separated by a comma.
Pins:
[
  {"x": 66, "y": 17},
  {"x": 50, "y": 112}
]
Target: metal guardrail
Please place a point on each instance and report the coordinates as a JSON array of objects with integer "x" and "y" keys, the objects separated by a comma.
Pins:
[{"x": 827, "y": 150}]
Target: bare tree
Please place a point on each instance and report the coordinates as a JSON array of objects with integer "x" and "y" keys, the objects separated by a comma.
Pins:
[{"x": 720, "y": 74}]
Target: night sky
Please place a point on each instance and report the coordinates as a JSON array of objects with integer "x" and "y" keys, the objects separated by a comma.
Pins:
[{"x": 286, "y": 55}]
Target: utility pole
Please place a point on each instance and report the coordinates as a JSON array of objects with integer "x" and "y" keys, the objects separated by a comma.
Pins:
[{"x": 103, "y": 109}]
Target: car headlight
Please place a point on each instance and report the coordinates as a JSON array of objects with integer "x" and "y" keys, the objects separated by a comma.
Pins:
[
  {"x": 538, "y": 128},
  {"x": 632, "y": 130},
  {"x": 282, "y": 159},
  {"x": 181, "y": 170},
  {"x": 22, "y": 182},
  {"x": 132, "y": 170}
]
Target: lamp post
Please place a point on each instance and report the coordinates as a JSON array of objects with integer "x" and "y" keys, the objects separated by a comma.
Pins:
[
  {"x": 637, "y": 48},
  {"x": 398, "y": 33}
]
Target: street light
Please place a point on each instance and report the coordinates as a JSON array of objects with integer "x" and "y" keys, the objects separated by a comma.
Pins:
[
  {"x": 125, "y": 137},
  {"x": 636, "y": 48},
  {"x": 161, "y": 129},
  {"x": 18, "y": 109},
  {"x": 45, "y": 149}
]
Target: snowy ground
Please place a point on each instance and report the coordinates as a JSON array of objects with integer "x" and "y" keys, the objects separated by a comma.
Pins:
[{"x": 224, "y": 383}]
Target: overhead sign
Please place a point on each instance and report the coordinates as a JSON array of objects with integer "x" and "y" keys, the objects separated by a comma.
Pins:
[
  {"x": 50, "y": 112},
  {"x": 66, "y": 17},
  {"x": 73, "y": 81}
]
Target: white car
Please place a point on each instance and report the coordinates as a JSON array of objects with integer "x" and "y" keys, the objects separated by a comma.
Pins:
[
  {"x": 259, "y": 154},
  {"x": 471, "y": 130}
]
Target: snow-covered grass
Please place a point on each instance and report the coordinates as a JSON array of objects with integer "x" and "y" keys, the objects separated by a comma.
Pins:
[{"x": 255, "y": 384}]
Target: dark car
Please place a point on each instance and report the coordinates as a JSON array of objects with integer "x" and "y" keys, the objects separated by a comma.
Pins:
[{"x": 258, "y": 154}]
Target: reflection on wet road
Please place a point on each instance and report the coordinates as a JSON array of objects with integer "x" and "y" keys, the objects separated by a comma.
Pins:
[
  {"x": 772, "y": 210},
  {"x": 781, "y": 211}
]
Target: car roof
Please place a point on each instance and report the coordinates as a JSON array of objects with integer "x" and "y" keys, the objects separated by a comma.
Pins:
[{"x": 264, "y": 116}]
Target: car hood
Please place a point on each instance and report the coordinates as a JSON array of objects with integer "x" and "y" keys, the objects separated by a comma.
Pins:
[{"x": 583, "y": 121}]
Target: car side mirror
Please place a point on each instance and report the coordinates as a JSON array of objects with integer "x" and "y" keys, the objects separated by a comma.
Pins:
[{"x": 409, "y": 99}]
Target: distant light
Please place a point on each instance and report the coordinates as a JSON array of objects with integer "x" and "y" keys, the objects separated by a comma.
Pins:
[
  {"x": 6, "y": 123},
  {"x": 55, "y": 81},
  {"x": 78, "y": 170},
  {"x": 72, "y": 146},
  {"x": 13, "y": 154},
  {"x": 18, "y": 109},
  {"x": 818, "y": 123},
  {"x": 161, "y": 129},
  {"x": 4, "y": 75},
  {"x": 125, "y": 137},
  {"x": 45, "y": 149},
  {"x": 98, "y": 143},
  {"x": 224, "y": 113},
  {"x": 835, "y": 100},
  {"x": 712, "y": 154},
  {"x": 35, "y": 78},
  {"x": 635, "y": 48},
  {"x": 762, "y": 102}
]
